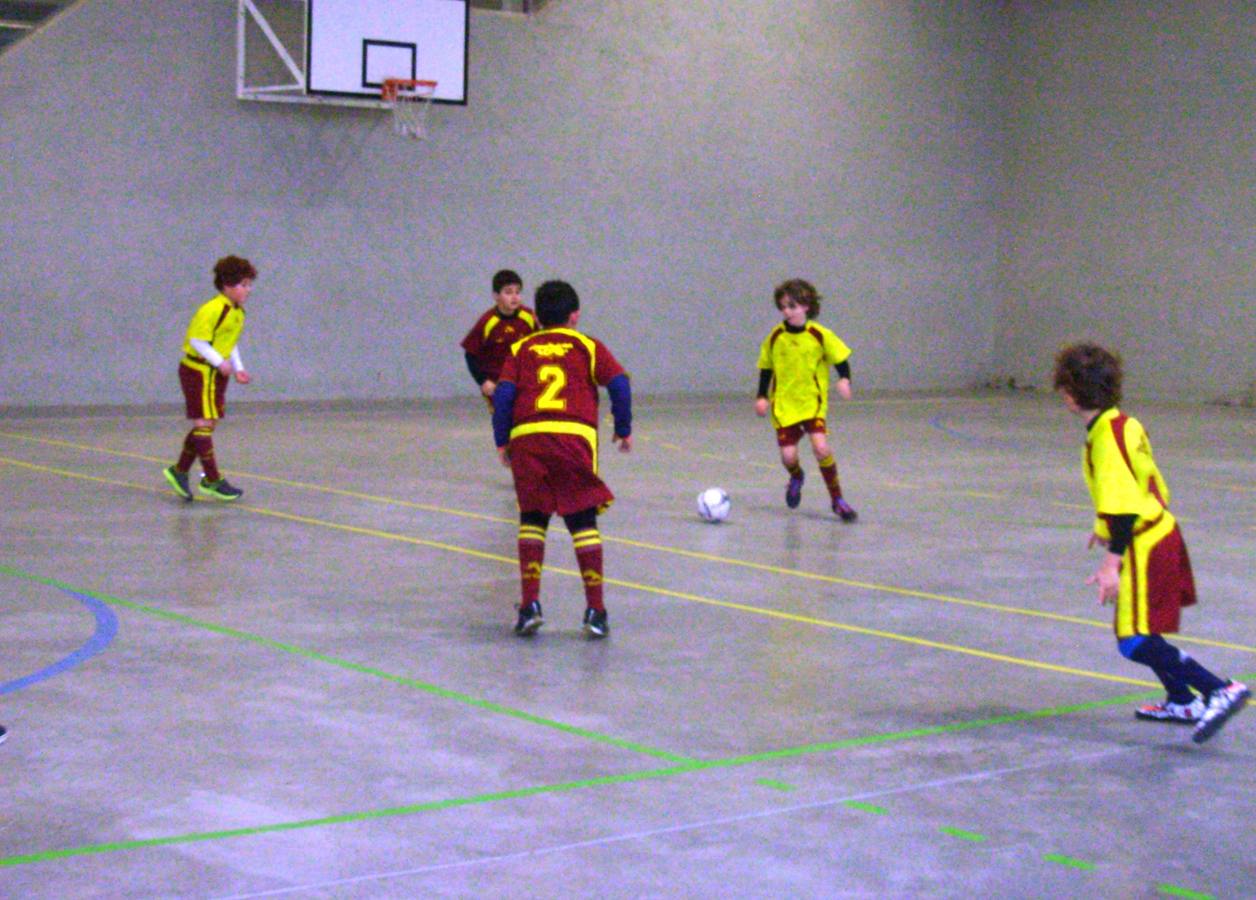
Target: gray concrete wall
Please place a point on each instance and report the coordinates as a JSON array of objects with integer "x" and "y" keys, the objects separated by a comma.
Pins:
[
  {"x": 1131, "y": 211},
  {"x": 674, "y": 161}
]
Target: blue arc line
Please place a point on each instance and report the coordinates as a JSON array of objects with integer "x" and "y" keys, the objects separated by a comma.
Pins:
[
  {"x": 106, "y": 630},
  {"x": 1001, "y": 443}
]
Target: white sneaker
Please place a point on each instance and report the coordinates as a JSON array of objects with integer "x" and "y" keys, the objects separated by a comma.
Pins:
[
  {"x": 1178, "y": 713},
  {"x": 1222, "y": 704}
]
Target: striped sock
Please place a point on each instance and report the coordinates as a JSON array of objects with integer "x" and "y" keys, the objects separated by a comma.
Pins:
[
  {"x": 188, "y": 455},
  {"x": 828, "y": 468},
  {"x": 588, "y": 544},
  {"x": 203, "y": 442},
  {"x": 531, "y": 561}
]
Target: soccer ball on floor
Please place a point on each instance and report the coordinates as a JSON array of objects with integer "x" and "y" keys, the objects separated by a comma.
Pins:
[{"x": 714, "y": 504}]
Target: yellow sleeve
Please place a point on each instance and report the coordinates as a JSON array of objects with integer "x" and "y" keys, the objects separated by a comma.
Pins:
[
  {"x": 835, "y": 349},
  {"x": 765, "y": 351},
  {"x": 204, "y": 320}
]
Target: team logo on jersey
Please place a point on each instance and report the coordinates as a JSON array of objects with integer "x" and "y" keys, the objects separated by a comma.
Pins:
[{"x": 550, "y": 351}]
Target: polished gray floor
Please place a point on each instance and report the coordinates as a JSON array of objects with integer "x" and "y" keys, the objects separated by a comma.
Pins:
[{"x": 315, "y": 692}]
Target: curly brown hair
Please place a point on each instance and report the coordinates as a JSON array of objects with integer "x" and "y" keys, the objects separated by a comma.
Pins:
[
  {"x": 801, "y": 292},
  {"x": 231, "y": 270},
  {"x": 1089, "y": 374}
]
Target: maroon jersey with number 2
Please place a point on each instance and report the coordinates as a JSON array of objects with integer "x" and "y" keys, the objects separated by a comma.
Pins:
[{"x": 553, "y": 439}]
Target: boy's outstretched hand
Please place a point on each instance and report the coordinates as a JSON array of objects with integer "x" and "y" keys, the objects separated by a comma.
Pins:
[
  {"x": 761, "y": 406},
  {"x": 503, "y": 454},
  {"x": 843, "y": 388},
  {"x": 1108, "y": 577},
  {"x": 625, "y": 443}
]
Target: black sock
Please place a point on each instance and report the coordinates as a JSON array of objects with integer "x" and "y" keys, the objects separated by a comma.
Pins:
[{"x": 1175, "y": 669}]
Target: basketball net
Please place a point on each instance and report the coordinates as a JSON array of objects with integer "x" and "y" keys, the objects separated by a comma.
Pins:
[{"x": 409, "y": 100}]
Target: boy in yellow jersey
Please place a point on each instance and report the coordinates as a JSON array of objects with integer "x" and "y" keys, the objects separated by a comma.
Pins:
[
  {"x": 1146, "y": 571},
  {"x": 210, "y": 358},
  {"x": 794, "y": 385}
]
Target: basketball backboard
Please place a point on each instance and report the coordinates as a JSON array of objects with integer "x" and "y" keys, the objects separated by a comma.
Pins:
[{"x": 353, "y": 45}]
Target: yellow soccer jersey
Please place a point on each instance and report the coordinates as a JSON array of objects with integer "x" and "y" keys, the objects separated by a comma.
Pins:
[
  {"x": 800, "y": 378},
  {"x": 218, "y": 322},
  {"x": 1121, "y": 473}
]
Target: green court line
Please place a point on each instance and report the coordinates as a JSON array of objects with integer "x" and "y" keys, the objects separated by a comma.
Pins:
[
  {"x": 866, "y": 807},
  {"x": 686, "y": 765},
  {"x": 368, "y": 815},
  {"x": 775, "y": 785},
  {"x": 963, "y": 835},
  {"x": 1070, "y": 862},
  {"x": 563, "y": 787},
  {"x": 1173, "y": 890},
  {"x": 434, "y": 690}
]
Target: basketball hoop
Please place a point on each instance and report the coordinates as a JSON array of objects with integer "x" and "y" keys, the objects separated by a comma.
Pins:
[{"x": 409, "y": 100}]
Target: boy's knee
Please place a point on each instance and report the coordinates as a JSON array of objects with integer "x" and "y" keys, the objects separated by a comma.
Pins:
[
  {"x": 1129, "y": 646},
  {"x": 1150, "y": 650},
  {"x": 586, "y": 518}
]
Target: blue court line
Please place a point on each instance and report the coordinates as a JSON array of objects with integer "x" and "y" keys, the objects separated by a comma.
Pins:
[
  {"x": 106, "y": 630},
  {"x": 936, "y": 423}
]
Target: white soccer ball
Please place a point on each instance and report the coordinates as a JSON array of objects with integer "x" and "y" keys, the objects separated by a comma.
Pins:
[{"x": 714, "y": 504}]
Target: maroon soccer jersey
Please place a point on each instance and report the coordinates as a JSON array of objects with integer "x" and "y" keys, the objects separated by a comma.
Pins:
[
  {"x": 556, "y": 373},
  {"x": 491, "y": 337}
]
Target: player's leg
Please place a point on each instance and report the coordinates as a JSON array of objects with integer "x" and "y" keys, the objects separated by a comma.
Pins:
[
  {"x": 588, "y": 545},
  {"x": 828, "y": 468},
  {"x": 787, "y": 441},
  {"x": 196, "y": 385},
  {"x": 1180, "y": 705},
  {"x": 213, "y": 484},
  {"x": 532, "y": 529},
  {"x": 1179, "y": 672}
]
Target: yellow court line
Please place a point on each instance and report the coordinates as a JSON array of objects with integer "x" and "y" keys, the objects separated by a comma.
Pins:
[
  {"x": 1237, "y": 488},
  {"x": 676, "y": 551},
  {"x": 889, "y": 483},
  {"x": 631, "y": 585}
]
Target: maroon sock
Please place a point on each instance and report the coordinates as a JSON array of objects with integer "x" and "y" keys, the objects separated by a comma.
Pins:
[
  {"x": 828, "y": 468},
  {"x": 531, "y": 562},
  {"x": 203, "y": 441},
  {"x": 188, "y": 455},
  {"x": 588, "y": 544}
]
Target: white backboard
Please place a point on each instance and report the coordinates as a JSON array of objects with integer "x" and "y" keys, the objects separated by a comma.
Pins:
[{"x": 353, "y": 45}]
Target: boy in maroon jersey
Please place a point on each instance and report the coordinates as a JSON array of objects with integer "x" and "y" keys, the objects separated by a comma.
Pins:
[
  {"x": 488, "y": 342},
  {"x": 545, "y": 426}
]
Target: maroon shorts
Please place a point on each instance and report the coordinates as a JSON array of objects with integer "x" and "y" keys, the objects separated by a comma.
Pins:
[
  {"x": 792, "y": 434},
  {"x": 554, "y": 474},
  {"x": 204, "y": 391},
  {"x": 1170, "y": 583}
]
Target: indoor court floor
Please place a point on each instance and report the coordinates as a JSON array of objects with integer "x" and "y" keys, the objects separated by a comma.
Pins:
[{"x": 315, "y": 692}]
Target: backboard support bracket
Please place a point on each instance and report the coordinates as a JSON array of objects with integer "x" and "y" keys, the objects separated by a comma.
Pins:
[{"x": 278, "y": 55}]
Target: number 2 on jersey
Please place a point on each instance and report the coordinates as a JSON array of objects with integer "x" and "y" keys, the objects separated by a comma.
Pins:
[{"x": 554, "y": 379}]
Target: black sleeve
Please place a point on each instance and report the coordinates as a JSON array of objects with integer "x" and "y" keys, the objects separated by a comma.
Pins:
[
  {"x": 843, "y": 369},
  {"x": 474, "y": 368},
  {"x": 1121, "y": 529},
  {"x": 765, "y": 381}
]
